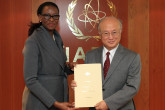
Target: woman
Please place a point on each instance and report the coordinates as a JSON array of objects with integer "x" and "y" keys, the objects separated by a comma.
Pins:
[{"x": 45, "y": 70}]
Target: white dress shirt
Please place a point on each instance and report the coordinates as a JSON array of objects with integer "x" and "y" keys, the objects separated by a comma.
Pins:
[{"x": 112, "y": 53}]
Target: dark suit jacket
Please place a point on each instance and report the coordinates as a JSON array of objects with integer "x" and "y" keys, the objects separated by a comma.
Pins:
[
  {"x": 44, "y": 71},
  {"x": 123, "y": 78}
]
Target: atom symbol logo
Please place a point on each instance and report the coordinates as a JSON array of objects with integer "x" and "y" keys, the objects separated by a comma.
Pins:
[
  {"x": 88, "y": 16},
  {"x": 88, "y": 12}
]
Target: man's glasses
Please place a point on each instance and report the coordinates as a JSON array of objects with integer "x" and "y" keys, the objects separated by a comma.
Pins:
[
  {"x": 107, "y": 34},
  {"x": 47, "y": 16}
]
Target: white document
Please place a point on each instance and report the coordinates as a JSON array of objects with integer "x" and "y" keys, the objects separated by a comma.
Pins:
[{"x": 88, "y": 78}]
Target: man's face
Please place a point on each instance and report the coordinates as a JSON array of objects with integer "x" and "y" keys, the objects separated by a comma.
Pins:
[{"x": 110, "y": 32}]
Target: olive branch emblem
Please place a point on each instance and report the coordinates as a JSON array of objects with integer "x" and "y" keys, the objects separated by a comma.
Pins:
[{"x": 75, "y": 30}]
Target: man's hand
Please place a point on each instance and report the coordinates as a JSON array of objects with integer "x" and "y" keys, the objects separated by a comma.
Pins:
[
  {"x": 73, "y": 84},
  {"x": 101, "y": 106}
]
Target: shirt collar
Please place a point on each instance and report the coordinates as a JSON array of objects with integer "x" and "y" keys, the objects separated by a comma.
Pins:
[{"x": 112, "y": 52}]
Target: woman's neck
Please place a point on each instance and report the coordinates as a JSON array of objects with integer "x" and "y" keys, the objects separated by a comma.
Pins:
[{"x": 51, "y": 33}]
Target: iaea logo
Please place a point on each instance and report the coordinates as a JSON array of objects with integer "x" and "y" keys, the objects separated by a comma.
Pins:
[{"x": 86, "y": 18}]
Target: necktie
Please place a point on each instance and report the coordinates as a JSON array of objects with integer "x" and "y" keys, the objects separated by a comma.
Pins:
[{"x": 106, "y": 65}]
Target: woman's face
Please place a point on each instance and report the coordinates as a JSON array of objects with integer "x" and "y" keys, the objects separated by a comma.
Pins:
[{"x": 49, "y": 17}]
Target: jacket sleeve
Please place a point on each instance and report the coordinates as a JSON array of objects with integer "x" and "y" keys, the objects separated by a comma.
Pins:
[
  {"x": 31, "y": 53},
  {"x": 129, "y": 90}
]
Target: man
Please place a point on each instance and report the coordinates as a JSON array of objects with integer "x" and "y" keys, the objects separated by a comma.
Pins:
[{"x": 121, "y": 80}]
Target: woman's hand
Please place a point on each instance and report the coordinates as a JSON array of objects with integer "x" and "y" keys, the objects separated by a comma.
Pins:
[
  {"x": 72, "y": 65},
  {"x": 63, "y": 105}
]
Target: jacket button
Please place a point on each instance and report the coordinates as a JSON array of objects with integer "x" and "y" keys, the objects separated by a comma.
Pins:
[{"x": 103, "y": 89}]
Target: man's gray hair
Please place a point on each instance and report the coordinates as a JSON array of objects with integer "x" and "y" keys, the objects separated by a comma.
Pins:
[{"x": 120, "y": 21}]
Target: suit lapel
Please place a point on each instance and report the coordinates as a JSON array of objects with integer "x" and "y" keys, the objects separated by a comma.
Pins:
[
  {"x": 60, "y": 44},
  {"x": 99, "y": 55},
  {"x": 117, "y": 58},
  {"x": 99, "y": 59},
  {"x": 49, "y": 45}
]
